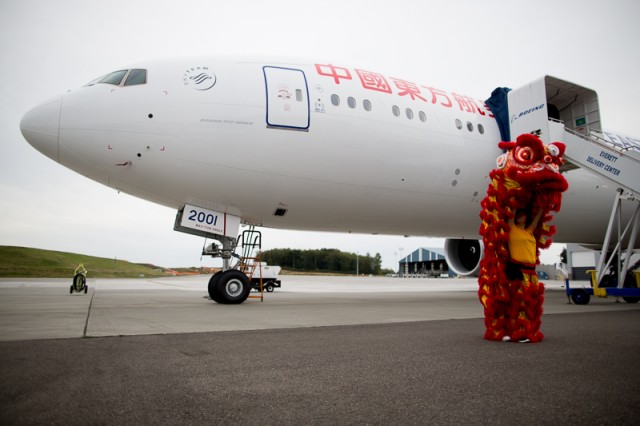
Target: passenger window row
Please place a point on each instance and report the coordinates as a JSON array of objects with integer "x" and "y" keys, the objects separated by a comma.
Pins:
[
  {"x": 395, "y": 109},
  {"x": 366, "y": 104},
  {"x": 469, "y": 126}
]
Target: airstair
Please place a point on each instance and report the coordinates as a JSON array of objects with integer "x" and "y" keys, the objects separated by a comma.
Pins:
[
  {"x": 597, "y": 152},
  {"x": 562, "y": 111},
  {"x": 621, "y": 166}
]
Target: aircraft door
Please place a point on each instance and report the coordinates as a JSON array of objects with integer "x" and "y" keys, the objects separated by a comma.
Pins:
[{"x": 287, "y": 98}]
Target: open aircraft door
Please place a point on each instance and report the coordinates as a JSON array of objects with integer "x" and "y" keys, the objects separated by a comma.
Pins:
[{"x": 287, "y": 98}]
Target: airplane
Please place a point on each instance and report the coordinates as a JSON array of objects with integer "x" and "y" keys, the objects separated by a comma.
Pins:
[{"x": 315, "y": 146}]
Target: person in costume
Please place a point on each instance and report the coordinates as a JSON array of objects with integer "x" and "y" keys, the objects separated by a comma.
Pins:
[
  {"x": 526, "y": 184},
  {"x": 522, "y": 244}
]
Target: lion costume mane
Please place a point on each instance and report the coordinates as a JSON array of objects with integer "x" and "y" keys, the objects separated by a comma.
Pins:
[{"x": 527, "y": 178}]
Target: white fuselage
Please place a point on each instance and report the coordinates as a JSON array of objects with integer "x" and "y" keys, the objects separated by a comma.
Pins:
[{"x": 296, "y": 146}]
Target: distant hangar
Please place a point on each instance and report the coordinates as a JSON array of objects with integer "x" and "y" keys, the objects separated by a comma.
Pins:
[{"x": 425, "y": 262}]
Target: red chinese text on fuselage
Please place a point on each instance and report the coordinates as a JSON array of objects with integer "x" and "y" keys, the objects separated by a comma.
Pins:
[{"x": 378, "y": 82}]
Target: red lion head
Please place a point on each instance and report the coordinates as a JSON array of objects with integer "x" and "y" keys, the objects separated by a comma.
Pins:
[
  {"x": 535, "y": 168},
  {"x": 533, "y": 165}
]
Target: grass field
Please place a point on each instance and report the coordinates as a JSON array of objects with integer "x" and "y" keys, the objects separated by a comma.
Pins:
[
  {"x": 24, "y": 262},
  {"x": 35, "y": 263}
]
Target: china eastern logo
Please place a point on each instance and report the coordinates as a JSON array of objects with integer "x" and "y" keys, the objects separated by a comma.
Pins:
[{"x": 199, "y": 78}]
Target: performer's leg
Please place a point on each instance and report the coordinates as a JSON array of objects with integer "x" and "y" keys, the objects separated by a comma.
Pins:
[
  {"x": 496, "y": 305},
  {"x": 526, "y": 310}
]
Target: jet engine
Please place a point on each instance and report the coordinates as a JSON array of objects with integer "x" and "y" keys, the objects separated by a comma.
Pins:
[{"x": 463, "y": 256}]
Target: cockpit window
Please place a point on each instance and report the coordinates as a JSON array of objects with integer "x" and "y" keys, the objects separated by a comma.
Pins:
[
  {"x": 94, "y": 81},
  {"x": 136, "y": 77},
  {"x": 114, "y": 78}
]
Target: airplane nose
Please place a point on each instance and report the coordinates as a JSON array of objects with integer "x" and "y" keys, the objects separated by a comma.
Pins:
[{"x": 41, "y": 127}]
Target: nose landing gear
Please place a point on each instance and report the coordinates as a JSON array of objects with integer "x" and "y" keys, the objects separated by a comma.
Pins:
[{"x": 233, "y": 284}]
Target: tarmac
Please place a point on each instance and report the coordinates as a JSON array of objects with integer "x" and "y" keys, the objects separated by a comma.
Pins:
[{"x": 320, "y": 350}]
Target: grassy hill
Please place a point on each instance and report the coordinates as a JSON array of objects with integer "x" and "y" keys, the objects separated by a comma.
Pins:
[{"x": 35, "y": 263}]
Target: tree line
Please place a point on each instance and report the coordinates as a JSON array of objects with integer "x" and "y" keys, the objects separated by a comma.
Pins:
[{"x": 324, "y": 260}]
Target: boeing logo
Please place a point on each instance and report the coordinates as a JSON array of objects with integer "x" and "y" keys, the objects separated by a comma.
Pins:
[{"x": 514, "y": 117}]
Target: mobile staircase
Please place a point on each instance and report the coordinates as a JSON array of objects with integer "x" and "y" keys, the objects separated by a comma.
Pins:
[{"x": 614, "y": 275}]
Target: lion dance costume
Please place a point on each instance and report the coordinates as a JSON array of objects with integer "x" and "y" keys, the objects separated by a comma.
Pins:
[{"x": 527, "y": 178}]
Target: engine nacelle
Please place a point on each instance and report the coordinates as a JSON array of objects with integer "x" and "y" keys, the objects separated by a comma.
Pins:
[{"x": 463, "y": 256}]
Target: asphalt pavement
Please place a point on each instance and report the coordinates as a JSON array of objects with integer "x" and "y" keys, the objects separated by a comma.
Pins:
[{"x": 391, "y": 371}]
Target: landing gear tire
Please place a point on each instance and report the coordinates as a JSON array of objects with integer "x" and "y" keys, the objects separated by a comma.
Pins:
[
  {"x": 213, "y": 292},
  {"x": 580, "y": 297},
  {"x": 230, "y": 288}
]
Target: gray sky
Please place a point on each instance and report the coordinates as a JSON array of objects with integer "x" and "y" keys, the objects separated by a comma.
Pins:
[{"x": 469, "y": 46}]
